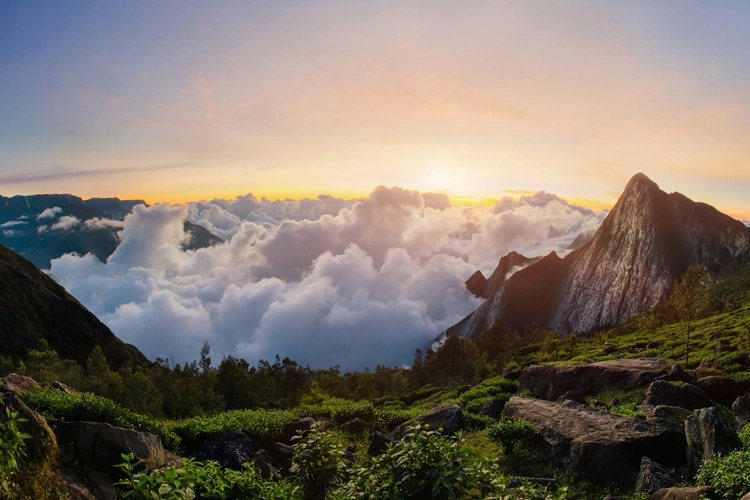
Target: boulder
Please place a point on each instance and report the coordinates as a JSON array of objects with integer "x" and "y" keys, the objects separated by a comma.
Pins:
[
  {"x": 652, "y": 477},
  {"x": 721, "y": 347},
  {"x": 324, "y": 424},
  {"x": 64, "y": 388},
  {"x": 723, "y": 390},
  {"x": 596, "y": 445},
  {"x": 230, "y": 449},
  {"x": 741, "y": 411},
  {"x": 573, "y": 396},
  {"x": 99, "y": 446},
  {"x": 493, "y": 408},
  {"x": 708, "y": 432},
  {"x": 17, "y": 383},
  {"x": 282, "y": 455},
  {"x": 688, "y": 396},
  {"x": 746, "y": 497},
  {"x": 448, "y": 417},
  {"x": 354, "y": 426},
  {"x": 293, "y": 429},
  {"x": 550, "y": 382},
  {"x": 42, "y": 441},
  {"x": 378, "y": 444},
  {"x": 264, "y": 461},
  {"x": 670, "y": 416},
  {"x": 698, "y": 493}
]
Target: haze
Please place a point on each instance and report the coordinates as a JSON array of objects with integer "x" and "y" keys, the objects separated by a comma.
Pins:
[{"x": 184, "y": 100}]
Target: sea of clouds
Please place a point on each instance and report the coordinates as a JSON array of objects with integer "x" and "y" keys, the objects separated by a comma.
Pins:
[{"x": 324, "y": 281}]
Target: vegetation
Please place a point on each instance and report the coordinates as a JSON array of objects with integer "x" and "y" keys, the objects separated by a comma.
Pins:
[
  {"x": 690, "y": 299},
  {"x": 12, "y": 449}
]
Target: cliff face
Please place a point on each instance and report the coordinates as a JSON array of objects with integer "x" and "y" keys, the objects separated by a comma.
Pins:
[{"x": 648, "y": 239}]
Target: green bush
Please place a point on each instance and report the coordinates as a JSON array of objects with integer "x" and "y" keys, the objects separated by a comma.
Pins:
[
  {"x": 745, "y": 435},
  {"x": 12, "y": 449},
  {"x": 194, "y": 479},
  {"x": 424, "y": 464},
  {"x": 728, "y": 474},
  {"x": 509, "y": 433},
  {"x": 318, "y": 464},
  {"x": 53, "y": 403}
]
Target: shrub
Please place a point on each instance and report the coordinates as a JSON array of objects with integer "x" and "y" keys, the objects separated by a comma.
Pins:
[
  {"x": 196, "y": 479},
  {"x": 728, "y": 474},
  {"x": 424, "y": 464},
  {"x": 12, "y": 444},
  {"x": 318, "y": 464},
  {"x": 53, "y": 403},
  {"x": 509, "y": 433}
]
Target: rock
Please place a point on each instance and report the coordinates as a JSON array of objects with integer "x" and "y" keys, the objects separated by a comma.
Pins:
[
  {"x": 493, "y": 408},
  {"x": 572, "y": 396},
  {"x": 721, "y": 348},
  {"x": 354, "y": 426},
  {"x": 43, "y": 440},
  {"x": 670, "y": 416},
  {"x": 378, "y": 444},
  {"x": 293, "y": 429},
  {"x": 264, "y": 461},
  {"x": 653, "y": 345},
  {"x": 741, "y": 411},
  {"x": 683, "y": 493},
  {"x": 73, "y": 487},
  {"x": 685, "y": 395},
  {"x": 64, "y": 388},
  {"x": 282, "y": 455},
  {"x": 595, "y": 403},
  {"x": 596, "y": 445},
  {"x": 99, "y": 446},
  {"x": 708, "y": 432},
  {"x": 448, "y": 417},
  {"x": 746, "y": 497},
  {"x": 652, "y": 477},
  {"x": 230, "y": 449},
  {"x": 550, "y": 382},
  {"x": 512, "y": 373},
  {"x": 17, "y": 383},
  {"x": 518, "y": 481},
  {"x": 723, "y": 390},
  {"x": 324, "y": 424}
]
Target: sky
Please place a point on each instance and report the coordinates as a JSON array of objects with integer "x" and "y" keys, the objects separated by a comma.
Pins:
[{"x": 190, "y": 100}]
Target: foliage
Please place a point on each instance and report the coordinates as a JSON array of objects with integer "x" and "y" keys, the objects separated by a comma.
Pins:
[
  {"x": 12, "y": 449},
  {"x": 318, "y": 464},
  {"x": 53, "y": 403},
  {"x": 728, "y": 474},
  {"x": 510, "y": 433},
  {"x": 196, "y": 479},
  {"x": 424, "y": 464}
]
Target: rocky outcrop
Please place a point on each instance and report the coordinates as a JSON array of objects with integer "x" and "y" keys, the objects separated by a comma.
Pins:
[
  {"x": 652, "y": 477},
  {"x": 99, "y": 446},
  {"x": 550, "y": 382},
  {"x": 508, "y": 265},
  {"x": 595, "y": 445},
  {"x": 448, "y": 417},
  {"x": 708, "y": 432},
  {"x": 17, "y": 383},
  {"x": 229, "y": 449},
  {"x": 42, "y": 441},
  {"x": 688, "y": 396},
  {"x": 629, "y": 266},
  {"x": 477, "y": 284}
]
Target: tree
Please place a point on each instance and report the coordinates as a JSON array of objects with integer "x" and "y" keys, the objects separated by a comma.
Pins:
[{"x": 690, "y": 299}]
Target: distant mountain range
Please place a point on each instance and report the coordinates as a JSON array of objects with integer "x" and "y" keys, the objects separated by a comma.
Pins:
[
  {"x": 45, "y": 226},
  {"x": 627, "y": 268}
]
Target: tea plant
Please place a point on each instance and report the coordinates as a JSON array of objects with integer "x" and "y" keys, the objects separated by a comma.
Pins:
[{"x": 12, "y": 444}]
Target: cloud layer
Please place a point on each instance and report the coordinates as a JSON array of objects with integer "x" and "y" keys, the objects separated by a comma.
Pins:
[{"x": 325, "y": 281}]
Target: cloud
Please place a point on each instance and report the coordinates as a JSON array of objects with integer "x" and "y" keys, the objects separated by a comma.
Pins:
[
  {"x": 325, "y": 281},
  {"x": 13, "y": 223},
  {"x": 8, "y": 233},
  {"x": 49, "y": 213},
  {"x": 97, "y": 223},
  {"x": 74, "y": 174},
  {"x": 66, "y": 223}
]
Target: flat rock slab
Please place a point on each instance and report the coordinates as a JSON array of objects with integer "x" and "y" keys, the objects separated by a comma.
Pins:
[
  {"x": 551, "y": 382},
  {"x": 698, "y": 493},
  {"x": 596, "y": 445}
]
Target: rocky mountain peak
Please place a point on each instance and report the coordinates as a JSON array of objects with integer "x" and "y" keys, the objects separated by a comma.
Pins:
[{"x": 647, "y": 240}]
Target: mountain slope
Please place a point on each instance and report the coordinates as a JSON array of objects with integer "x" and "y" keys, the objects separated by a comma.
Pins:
[
  {"x": 648, "y": 239},
  {"x": 34, "y": 307}
]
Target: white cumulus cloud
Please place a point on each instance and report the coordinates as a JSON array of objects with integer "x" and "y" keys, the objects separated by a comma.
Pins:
[
  {"x": 325, "y": 281},
  {"x": 49, "y": 213}
]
